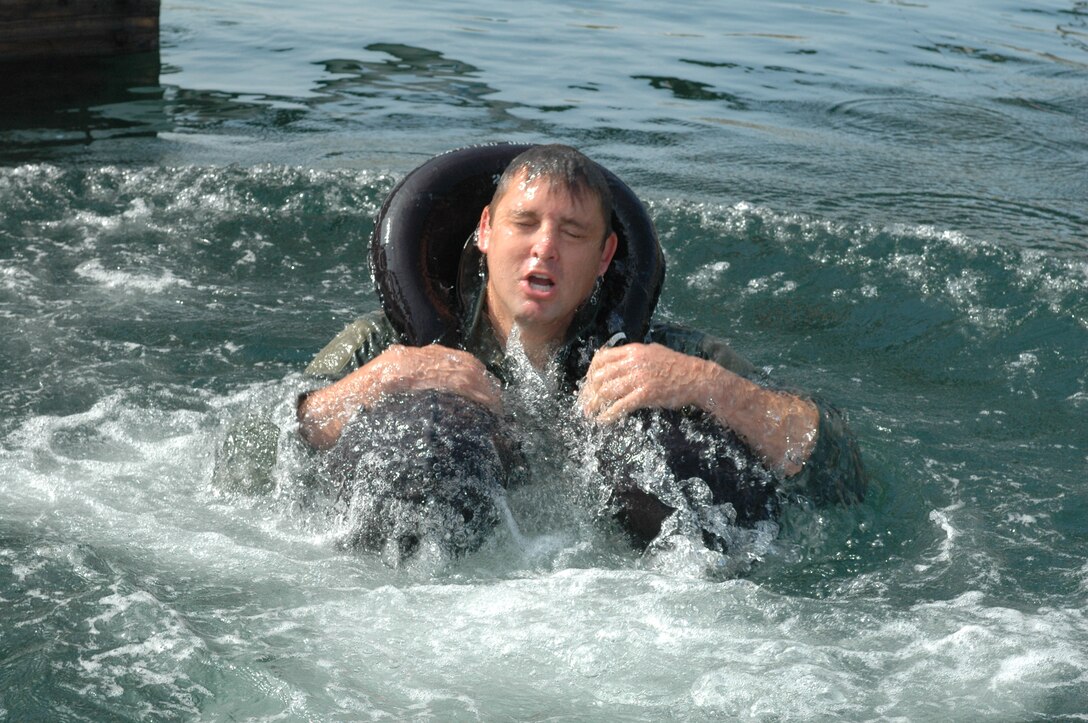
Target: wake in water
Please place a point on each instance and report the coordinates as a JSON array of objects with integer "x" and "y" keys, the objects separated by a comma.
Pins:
[{"x": 956, "y": 591}]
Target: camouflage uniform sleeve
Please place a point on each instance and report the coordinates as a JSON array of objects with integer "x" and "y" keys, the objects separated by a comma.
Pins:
[
  {"x": 246, "y": 459},
  {"x": 359, "y": 342},
  {"x": 696, "y": 343},
  {"x": 833, "y": 472}
]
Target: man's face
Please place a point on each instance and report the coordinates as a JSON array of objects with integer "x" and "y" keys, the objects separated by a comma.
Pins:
[{"x": 545, "y": 249}]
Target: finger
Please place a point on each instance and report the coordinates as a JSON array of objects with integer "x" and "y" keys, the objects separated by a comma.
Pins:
[
  {"x": 477, "y": 385},
  {"x": 590, "y": 403},
  {"x": 472, "y": 386},
  {"x": 617, "y": 408},
  {"x": 483, "y": 398},
  {"x": 607, "y": 393},
  {"x": 612, "y": 375},
  {"x": 488, "y": 385},
  {"x": 603, "y": 358},
  {"x": 440, "y": 362},
  {"x": 606, "y": 369},
  {"x": 593, "y": 394}
]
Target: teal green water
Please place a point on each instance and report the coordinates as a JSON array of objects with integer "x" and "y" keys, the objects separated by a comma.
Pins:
[{"x": 880, "y": 202}]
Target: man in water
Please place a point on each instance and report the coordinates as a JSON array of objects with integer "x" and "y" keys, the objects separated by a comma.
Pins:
[{"x": 546, "y": 238}]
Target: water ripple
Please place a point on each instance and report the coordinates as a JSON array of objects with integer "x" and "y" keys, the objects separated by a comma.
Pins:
[{"x": 919, "y": 120}]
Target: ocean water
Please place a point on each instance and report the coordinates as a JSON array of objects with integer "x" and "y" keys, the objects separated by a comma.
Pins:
[{"x": 883, "y": 202}]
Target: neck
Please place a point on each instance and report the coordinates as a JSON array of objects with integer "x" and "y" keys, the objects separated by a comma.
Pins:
[
  {"x": 539, "y": 345},
  {"x": 539, "y": 353}
]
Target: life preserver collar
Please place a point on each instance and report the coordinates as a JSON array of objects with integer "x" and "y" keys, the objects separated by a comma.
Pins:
[{"x": 419, "y": 237}]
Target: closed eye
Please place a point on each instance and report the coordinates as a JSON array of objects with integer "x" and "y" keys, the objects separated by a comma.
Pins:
[
  {"x": 575, "y": 232},
  {"x": 524, "y": 220}
]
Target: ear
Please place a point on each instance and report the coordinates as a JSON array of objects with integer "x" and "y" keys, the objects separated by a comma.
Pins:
[
  {"x": 483, "y": 231},
  {"x": 608, "y": 252}
]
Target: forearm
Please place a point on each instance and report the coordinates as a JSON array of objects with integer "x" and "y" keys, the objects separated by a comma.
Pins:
[
  {"x": 323, "y": 413},
  {"x": 780, "y": 427}
]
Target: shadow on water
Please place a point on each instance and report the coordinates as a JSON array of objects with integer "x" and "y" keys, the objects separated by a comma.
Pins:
[
  {"x": 411, "y": 77},
  {"x": 692, "y": 90},
  {"x": 54, "y": 107},
  {"x": 75, "y": 101},
  {"x": 408, "y": 69}
]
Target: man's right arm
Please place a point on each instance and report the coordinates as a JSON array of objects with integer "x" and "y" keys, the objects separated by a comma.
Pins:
[{"x": 323, "y": 413}]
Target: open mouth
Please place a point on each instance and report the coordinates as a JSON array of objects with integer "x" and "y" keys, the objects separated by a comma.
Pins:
[{"x": 538, "y": 282}]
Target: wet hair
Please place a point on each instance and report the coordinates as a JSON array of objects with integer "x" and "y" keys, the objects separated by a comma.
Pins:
[{"x": 564, "y": 167}]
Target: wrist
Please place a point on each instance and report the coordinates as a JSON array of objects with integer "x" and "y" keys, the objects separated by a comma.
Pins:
[{"x": 722, "y": 389}]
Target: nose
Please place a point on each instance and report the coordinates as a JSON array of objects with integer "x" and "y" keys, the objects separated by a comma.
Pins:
[{"x": 544, "y": 242}]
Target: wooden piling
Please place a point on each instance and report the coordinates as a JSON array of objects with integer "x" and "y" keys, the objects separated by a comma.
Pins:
[{"x": 62, "y": 29}]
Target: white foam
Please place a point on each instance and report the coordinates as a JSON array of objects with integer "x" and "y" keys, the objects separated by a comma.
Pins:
[
  {"x": 129, "y": 281},
  {"x": 708, "y": 276},
  {"x": 943, "y": 520},
  {"x": 14, "y": 277}
]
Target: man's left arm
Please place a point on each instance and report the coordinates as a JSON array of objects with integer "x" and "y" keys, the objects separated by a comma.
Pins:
[
  {"x": 781, "y": 428},
  {"x": 802, "y": 439}
]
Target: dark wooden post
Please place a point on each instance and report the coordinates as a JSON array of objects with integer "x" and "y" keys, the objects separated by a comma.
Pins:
[{"x": 58, "y": 29}]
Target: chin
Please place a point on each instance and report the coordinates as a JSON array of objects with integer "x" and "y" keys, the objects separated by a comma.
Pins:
[{"x": 537, "y": 319}]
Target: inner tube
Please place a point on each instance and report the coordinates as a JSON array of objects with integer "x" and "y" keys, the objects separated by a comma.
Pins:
[{"x": 420, "y": 233}]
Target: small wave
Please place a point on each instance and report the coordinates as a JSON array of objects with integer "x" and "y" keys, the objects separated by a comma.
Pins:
[
  {"x": 99, "y": 635},
  {"x": 917, "y": 120},
  {"x": 764, "y": 253},
  {"x": 117, "y": 279},
  {"x": 16, "y": 279}
]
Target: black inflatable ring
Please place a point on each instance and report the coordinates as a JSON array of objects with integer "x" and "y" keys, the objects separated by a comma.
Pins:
[{"x": 421, "y": 229}]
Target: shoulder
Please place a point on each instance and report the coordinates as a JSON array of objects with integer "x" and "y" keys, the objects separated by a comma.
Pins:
[
  {"x": 700, "y": 344},
  {"x": 360, "y": 341}
]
